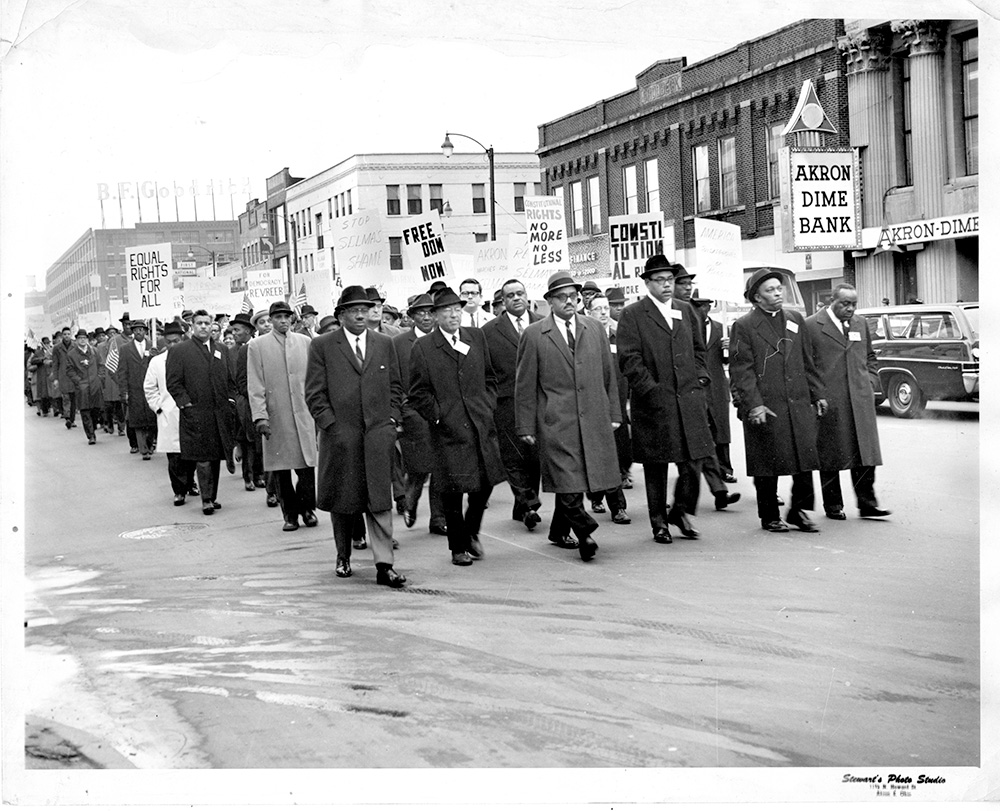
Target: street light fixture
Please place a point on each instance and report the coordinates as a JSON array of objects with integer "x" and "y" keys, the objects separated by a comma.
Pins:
[
  {"x": 211, "y": 253},
  {"x": 448, "y": 148}
]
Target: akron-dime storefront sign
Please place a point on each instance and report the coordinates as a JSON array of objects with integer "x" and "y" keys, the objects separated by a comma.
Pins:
[{"x": 820, "y": 198}]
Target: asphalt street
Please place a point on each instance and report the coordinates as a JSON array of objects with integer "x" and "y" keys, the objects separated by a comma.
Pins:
[{"x": 157, "y": 637}]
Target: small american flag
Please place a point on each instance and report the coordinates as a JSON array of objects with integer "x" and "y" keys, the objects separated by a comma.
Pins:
[
  {"x": 112, "y": 362},
  {"x": 247, "y": 306},
  {"x": 299, "y": 299}
]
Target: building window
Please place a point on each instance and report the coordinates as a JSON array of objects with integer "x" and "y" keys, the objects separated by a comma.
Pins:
[
  {"x": 391, "y": 200},
  {"x": 308, "y": 221},
  {"x": 907, "y": 125},
  {"x": 774, "y": 144},
  {"x": 727, "y": 172},
  {"x": 630, "y": 196},
  {"x": 319, "y": 230},
  {"x": 970, "y": 103},
  {"x": 652, "y": 177},
  {"x": 437, "y": 201},
  {"x": 594, "y": 198},
  {"x": 480, "y": 237},
  {"x": 350, "y": 208},
  {"x": 478, "y": 198},
  {"x": 519, "y": 196},
  {"x": 538, "y": 190},
  {"x": 414, "y": 205},
  {"x": 702, "y": 184},
  {"x": 395, "y": 253},
  {"x": 576, "y": 206}
]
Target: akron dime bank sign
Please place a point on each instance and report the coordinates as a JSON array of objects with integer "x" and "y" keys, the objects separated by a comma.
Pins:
[{"x": 820, "y": 199}]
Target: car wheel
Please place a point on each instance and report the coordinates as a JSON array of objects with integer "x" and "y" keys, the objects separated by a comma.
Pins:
[{"x": 905, "y": 397}]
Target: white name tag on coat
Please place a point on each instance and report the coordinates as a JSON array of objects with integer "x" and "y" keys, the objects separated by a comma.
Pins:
[
  {"x": 462, "y": 347},
  {"x": 614, "y": 349},
  {"x": 218, "y": 354},
  {"x": 675, "y": 315},
  {"x": 853, "y": 336},
  {"x": 793, "y": 326}
]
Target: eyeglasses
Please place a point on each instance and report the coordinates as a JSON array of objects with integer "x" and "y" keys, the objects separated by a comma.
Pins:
[
  {"x": 562, "y": 298},
  {"x": 661, "y": 279},
  {"x": 469, "y": 294}
]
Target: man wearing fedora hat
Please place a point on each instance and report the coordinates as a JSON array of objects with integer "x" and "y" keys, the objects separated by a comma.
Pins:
[
  {"x": 132, "y": 364},
  {"x": 415, "y": 441},
  {"x": 276, "y": 368},
  {"x": 261, "y": 321},
  {"x": 588, "y": 293},
  {"x": 778, "y": 395},
  {"x": 566, "y": 400},
  {"x": 86, "y": 372},
  {"x": 375, "y": 322},
  {"x": 661, "y": 350},
  {"x": 354, "y": 395},
  {"x": 246, "y": 435},
  {"x": 67, "y": 393},
  {"x": 307, "y": 322},
  {"x": 453, "y": 387}
]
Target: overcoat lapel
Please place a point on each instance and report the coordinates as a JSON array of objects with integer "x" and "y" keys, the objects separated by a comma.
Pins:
[
  {"x": 766, "y": 329},
  {"x": 554, "y": 335},
  {"x": 653, "y": 314},
  {"x": 348, "y": 351},
  {"x": 832, "y": 328},
  {"x": 507, "y": 329}
]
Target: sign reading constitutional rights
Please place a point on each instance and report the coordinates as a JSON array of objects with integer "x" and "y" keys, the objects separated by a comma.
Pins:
[
  {"x": 424, "y": 250},
  {"x": 633, "y": 238},
  {"x": 148, "y": 282},
  {"x": 546, "y": 221}
]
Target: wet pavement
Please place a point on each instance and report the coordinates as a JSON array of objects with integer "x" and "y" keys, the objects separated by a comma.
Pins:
[{"x": 176, "y": 640}]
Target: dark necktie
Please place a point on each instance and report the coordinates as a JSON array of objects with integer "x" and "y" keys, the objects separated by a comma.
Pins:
[
  {"x": 358, "y": 352},
  {"x": 847, "y": 330},
  {"x": 569, "y": 338}
]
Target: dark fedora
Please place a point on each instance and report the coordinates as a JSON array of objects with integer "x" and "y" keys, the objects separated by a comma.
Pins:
[
  {"x": 138, "y": 322},
  {"x": 435, "y": 286},
  {"x": 681, "y": 273},
  {"x": 125, "y": 319},
  {"x": 591, "y": 287},
  {"x": 354, "y": 294},
  {"x": 498, "y": 297},
  {"x": 374, "y": 295},
  {"x": 326, "y": 322},
  {"x": 173, "y": 328},
  {"x": 615, "y": 295},
  {"x": 656, "y": 263},
  {"x": 99, "y": 331},
  {"x": 760, "y": 276},
  {"x": 419, "y": 303},
  {"x": 308, "y": 309},
  {"x": 244, "y": 319},
  {"x": 279, "y": 307},
  {"x": 557, "y": 281},
  {"x": 446, "y": 297},
  {"x": 81, "y": 332}
]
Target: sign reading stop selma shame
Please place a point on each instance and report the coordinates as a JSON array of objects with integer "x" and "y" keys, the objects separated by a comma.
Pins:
[
  {"x": 148, "y": 282},
  {"x": 820, "y": 198}
]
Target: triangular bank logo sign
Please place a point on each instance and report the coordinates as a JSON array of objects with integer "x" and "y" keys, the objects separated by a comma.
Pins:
[{"x": 809, "y": 115}]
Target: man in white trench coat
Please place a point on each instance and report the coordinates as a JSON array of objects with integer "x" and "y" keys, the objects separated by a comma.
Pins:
[{"x": 276, "y": 377}]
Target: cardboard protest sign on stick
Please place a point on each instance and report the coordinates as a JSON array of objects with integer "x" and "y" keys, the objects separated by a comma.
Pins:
[
  {"x": 720, "y": 260},
  {"x": 361, "y": 250},
  {"x": 425, "y": 254},
  {"x": 148, "y": 270},
  {"x": 546, "y": 221}
]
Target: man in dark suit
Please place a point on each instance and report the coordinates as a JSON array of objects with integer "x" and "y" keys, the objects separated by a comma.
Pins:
[
  {"x": 60, "y": 367},
  {"x": 415, "y": 441},
  {"x": 200, "y": 379},
  {"x": 354, "y": 395},
  {"x": 661, "y": 350},
  {"x": 454, "y": 388},
  {"x": 848, "y": 433},
  {"x": 132, "y": 365},
  {"x": 520, "y": 460},
  {"x": 778, "y": 395},
  {"x": 566, "y": 396},
  {"x": 253, "y": 466}
]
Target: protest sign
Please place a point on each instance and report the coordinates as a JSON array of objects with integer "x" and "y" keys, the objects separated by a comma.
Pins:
[
  {"x": 361, "y": 250},
  {"x": 211, "y": 294},
  {"x": 264, "y": 287},
  {"x": 91, "y": 321},
  {"x": 37, "y": 324},
  {"x": 632, "y": 239},
  {"x": 720, "y": 260},
  {"x": 519, "y": 263},
  {"x": 148, "y": 271},
  {"x": 425, "y": 255},
  {"x": 319, "y": 290},
  {"x": 546, "y": 221}
]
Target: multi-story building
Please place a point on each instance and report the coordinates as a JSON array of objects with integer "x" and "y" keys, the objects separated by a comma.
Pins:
[
  {"x": 91, "y": 272},
  {"x": 401, "y": 186},
  {"x": 256, "y": 240},
  {"x": 703, "y": 140},
  {"x": 912, "y": 89}
]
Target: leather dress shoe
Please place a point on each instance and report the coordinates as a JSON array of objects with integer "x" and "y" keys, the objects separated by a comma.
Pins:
[
  {"x": 309, "y": 518},
  {"x": 291, "y": 524},
  {"x": 874, "y": 512},
  {"x": 566, "y": 543},
  {"x": 475, "y": 548},
  {"x": 409, "y": 517},
  {"x": 729, "y": 478},
  {"x": 777, "y": 525},
  {"x": 272, "y": 500},
  {"x": 588, "y": 548},
  {"x": 435, "y": 529},
  {"x": 531, "y": 519},
  {"x": 207, "y": 507},
  {"x": 217, "y": 505},
  {"x": 259, "y": 482},
  {"x": 598, "y": 507},
  {"x": 400, "y": 506},
  {"x": 662, "y": 535},
  {"x": 461, "y": 558},
  {"x": 723, "y": 499},
  {"x": 801, "y": 521},
  {"x": 145, "y": 457},
  {"x": 249, "y": 486},
  {"x": 130, "y": 450},
  {"x": 389, "y": 577},
  {"x": 179, "y": 499},
  {"x": 626, "y": 482},
  {"x": 836, "y": 515},
  {"x": 93, "y": 441},
  {"x": 360, "y": 543},
  {"x": 121, "y": 432},
  {"x": 230, "y": 467},
  {"x": 683, "y": 523},
  {"x": 621, "y": 517},
  {"x": 343, "y": 567}
]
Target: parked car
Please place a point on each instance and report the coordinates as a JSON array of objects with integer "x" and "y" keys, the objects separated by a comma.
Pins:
[{"x": 925, "y": 352}]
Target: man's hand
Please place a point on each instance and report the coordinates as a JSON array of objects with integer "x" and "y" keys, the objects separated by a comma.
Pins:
[
  {"x": 263, "y": 427},
  {"x": 759, "y": 414},
  {"x": 528, "y": 439},
  {"x": 725, "y": 343},
  {"x": 821, "y": 407}
]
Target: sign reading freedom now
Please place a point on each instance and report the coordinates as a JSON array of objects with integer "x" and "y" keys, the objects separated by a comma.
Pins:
[{"x": 424, "y": 249}]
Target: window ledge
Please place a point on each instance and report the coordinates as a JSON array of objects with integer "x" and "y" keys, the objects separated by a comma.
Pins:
[{"x": 716, "y": 213}]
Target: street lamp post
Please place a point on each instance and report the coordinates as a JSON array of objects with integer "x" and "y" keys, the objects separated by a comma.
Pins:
[
  {"x": 211, "y": 253},
  {"x": 448, "y": 148},
  {"x": 295, "y": 248}
]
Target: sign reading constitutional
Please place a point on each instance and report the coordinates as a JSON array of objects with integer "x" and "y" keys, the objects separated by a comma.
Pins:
[
  {"x": 424, "y": 250},
  {"x": 546, "y": 221},
  {"x": 633, "y": 238},
  {"x": 148, "y": 283},
  {"x": 820, "y": 198},
  {"x": 361, "y": 250}
]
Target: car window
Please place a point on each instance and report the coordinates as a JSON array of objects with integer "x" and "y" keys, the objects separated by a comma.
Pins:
[
  {"x": 875, "y": 326},
  {"x": 935, "y": 326},
  {"x": 899, "y": 325},
  {"x": 972, "y": 314}
]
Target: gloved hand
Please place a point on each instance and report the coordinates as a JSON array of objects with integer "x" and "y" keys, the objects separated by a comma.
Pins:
[{"x": 263, "y": 428}]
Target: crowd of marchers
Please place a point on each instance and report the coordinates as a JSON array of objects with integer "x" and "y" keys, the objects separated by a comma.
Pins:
[{"x": 368, "y": 415}]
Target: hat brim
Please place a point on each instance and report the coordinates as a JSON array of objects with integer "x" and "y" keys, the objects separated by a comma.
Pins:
[
  {"x": 574, "y": 285},
  {"x": 755, "y": 283}
]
